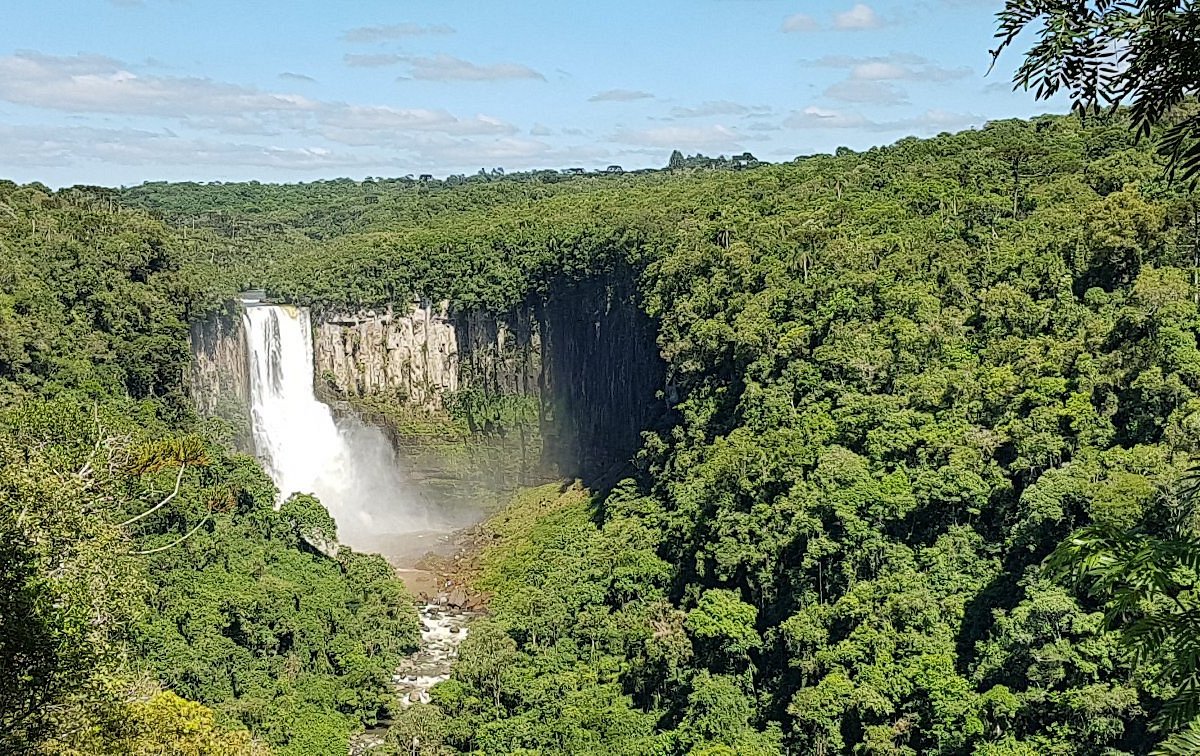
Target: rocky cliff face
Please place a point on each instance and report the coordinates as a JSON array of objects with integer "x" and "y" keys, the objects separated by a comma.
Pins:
[
  {"x": 587, "y": 354},
  {"x": 601, "y": 378},
  {"x": 413, "y": 354},
  {"x": 218, "y": 379},
  {"x": 585, "y": 357}
]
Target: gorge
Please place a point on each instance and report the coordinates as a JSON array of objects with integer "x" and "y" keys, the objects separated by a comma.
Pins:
[
  {"x": 803, "y": 454},
  {"x": 584, "y": 362}
]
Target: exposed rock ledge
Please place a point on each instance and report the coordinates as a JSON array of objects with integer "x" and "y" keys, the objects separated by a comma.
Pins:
[{"x": 414, "y": 355}]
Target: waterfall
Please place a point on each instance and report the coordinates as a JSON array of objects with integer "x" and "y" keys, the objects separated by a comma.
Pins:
[{"x": 348, "y": 465}]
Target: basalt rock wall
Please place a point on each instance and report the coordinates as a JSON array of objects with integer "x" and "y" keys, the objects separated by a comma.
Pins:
[
  {"x": 601, "y": 380},
  {"x": 218, "y": 378},
  {"x": 587, "y": 354},
  {"x": 410, "y": 352}
]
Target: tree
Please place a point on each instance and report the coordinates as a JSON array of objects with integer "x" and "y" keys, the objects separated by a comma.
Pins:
[
  {"x": 486, "y": 658},
  {"x": 1147, "y": 577},
  {"x": 1104, "y": 54},
  {"x": 723, "y": 625},
  {"x": 419, "y": 730},
  {"x": 676, "y": 161}
]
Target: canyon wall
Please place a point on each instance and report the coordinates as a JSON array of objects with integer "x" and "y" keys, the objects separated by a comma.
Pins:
[
  {"x": 601, "y": 380},
  {"x": 585, "y": 357},
  {"x": 412, "y": 354},
  {"x": 218, "y": 378}
]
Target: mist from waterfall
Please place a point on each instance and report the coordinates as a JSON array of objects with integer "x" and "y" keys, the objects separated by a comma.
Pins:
[{"x": 347, "y": 464}]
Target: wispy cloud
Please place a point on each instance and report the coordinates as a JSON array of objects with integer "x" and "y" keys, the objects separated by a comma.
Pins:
[
  {"x": 873, "y": 79},
  {"x": 96, "y": 84},
  {"x": 449, "y": 68},
  {"x": 711, "y": 138},
  {"x": 99, "y": 85},
  {"x": 857, "y": 18},
  {"x": 799, "y": 22},
  {"x": 716, "y": 108},
  {"x": 928, "y": 122},
  {"x": 814, "y": 117},
  {"x": 42, "y": 146},
  {"x": 298, "y": 77},
  {"x": 620, "y": 95},
  {"x": 873, "y": 92},
  {"x": 387, "y": 32},
  {"x": 374, "y": 124},
  {"x": 892, "y": 67},
  {"x": 371, "y": 60}
]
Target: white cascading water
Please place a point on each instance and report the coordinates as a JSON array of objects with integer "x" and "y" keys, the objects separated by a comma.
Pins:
[{"x": 346, "y": 464}]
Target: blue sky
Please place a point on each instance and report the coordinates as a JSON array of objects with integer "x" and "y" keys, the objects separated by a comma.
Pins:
[{"x": 123, "y": 91}]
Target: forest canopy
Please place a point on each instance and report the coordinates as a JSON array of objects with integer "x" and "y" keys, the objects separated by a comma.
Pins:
[
  {"x": 902, "y": 379},
  {"x": 899, "y": 380},
  {"x": 152, "y": 599}
]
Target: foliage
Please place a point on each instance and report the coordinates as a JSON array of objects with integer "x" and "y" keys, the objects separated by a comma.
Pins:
[
  {"x": 1104, "y": 54},
  {"x": 1146, "y": 577},
  {"x": 135, "y": 548},
  {"x": 895, "y": 382}
]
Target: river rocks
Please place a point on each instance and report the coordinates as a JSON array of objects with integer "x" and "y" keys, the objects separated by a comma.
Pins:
[
  {"x": 366, "y": 742},
  {"x": 443, "y": 629}
]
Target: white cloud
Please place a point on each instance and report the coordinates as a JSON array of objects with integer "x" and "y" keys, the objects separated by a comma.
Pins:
[
  {"x": 723, "y": 107},
  {"x": 620, "y": 95},
  {"x": 449, "y": 68},
  {"x": 715, "y": 107},
  {"x": 861, "y": 16},
  {"x": 298, "y": 77},
  {"x": 936, "y": 120},
  {"x": 929, "y": 122},
  {"x": 95, "y": 84},
  {"x": 878, "y": 71},
  {"x": 894, "y": 66},
  {"x": 372, "y": 124},
  {"x": 386, "y": 32},
  {"x": 814, "y": 117},
  {"x": 49, "y": 146},
  {"x": 872, "y": 78},
  {"x": 799, "y": 22}
]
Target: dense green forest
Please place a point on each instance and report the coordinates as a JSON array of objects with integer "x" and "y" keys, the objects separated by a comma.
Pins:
[
  {"x": 900, "y": 380},
  {"x": 152, "y": 600},
  {"x": 904, "y": 378}
]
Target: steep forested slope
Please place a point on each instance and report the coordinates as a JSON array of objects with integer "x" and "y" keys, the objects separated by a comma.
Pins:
[
  {"x": 899, "y": 379},
  {"x": 139, "y": 560}
]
